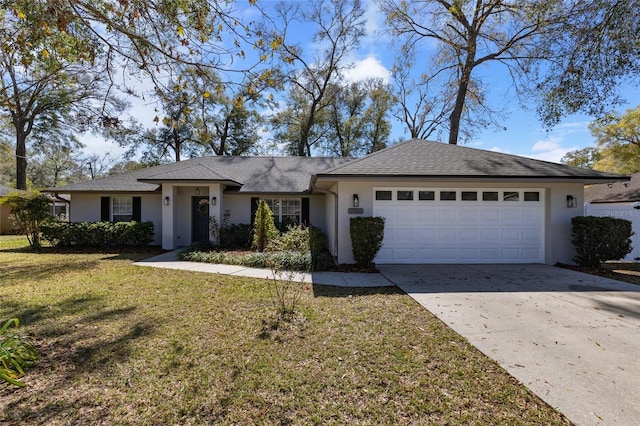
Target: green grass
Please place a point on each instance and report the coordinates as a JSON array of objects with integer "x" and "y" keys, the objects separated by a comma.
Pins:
[{"x": 122, "y": 344}]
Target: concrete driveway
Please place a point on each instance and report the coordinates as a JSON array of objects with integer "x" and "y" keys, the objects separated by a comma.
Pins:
[{"x": 572, "y": 338}]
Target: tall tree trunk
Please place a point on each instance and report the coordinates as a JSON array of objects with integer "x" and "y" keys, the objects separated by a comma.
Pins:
[
  {"x": 463, "y": 87},
  {"x": 21, "y": 154},
  {"x": 21, "y": 163}
]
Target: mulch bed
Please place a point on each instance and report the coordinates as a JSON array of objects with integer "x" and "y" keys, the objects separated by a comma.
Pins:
[{"x": 622, "y": 271}]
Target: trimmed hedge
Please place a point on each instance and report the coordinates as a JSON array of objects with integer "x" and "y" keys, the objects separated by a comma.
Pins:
[
  {"x": 298, "y": 249},
  {"x": 282, "y": 260},
  {"x": 598, "y": 239},
  {"x": 366, "y": 238},
  {"x": 98, "y": 234}
]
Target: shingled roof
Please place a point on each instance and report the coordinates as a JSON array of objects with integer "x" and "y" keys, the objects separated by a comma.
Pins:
[
  {"x": 6, "y": 190},
  {"x": 414, "y": 158},
  {"x": 420, "y": 158},
  {"x": 616, "y": 192},
  {"x": 246, "y": 174}
]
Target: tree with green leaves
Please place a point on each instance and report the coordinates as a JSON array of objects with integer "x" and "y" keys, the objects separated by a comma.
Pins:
[
  {"x": 594, "y": 48},
  {"x": 264, "y": 228},
  {"x": 357, "y": 122},
  {"x": 28, "y": 211},
  {"x": 51, "y": 79},
  {"x": 337, "y": 29},
  {"x": 617, "y": 147},
  {"x": 584, "y": 158}
]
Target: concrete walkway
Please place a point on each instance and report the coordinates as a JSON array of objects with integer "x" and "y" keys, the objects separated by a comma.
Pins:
[
  {"x": 572, "y": 338},
  {"x": 170, "y": 260}
]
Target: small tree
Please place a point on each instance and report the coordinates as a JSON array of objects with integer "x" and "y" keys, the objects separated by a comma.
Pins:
[
  {"x": 598, "y": 239},
  {"x": 264, "y": 229},
  {"x": 28, "y": 211},
  {"x": 366, "y": 238}
]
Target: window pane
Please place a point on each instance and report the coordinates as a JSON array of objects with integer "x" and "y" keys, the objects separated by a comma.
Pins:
[
  {"x": 426, "y": 195},
  {"x": 405, "y": 195},
  {"x": 122, "y": 209},
  {"x": 383, "y": 195},
  {"x": 448, "y": 195},
  {"x": 532, "y": 196},
  {"x": 511, "y": 196},
  {"x": 274, "y": 205},
  {"x": 490, "y": 196},
  {"x": 469, "y": 196}
]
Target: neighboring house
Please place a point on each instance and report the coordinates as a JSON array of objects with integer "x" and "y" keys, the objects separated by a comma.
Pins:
[
  {"x": 617, "y": 199},
  {"x": 6, "y": 224},
  {"x": 442, "y": 203}
]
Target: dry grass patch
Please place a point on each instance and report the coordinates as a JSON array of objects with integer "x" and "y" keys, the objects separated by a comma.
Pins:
[{"x": 122, "y": 344}]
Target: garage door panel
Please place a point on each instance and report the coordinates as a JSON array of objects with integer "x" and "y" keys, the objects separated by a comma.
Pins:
[
  {"x": 490, "y": 234},
  {"x": 447, "y": 234},
  {"x": 469, "y": 234},
  {"x": 480, "y": 231},
  {"x": 511, "y": 234}
]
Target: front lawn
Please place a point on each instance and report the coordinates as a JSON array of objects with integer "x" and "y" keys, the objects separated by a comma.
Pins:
[{"x": 122, "y": 344}]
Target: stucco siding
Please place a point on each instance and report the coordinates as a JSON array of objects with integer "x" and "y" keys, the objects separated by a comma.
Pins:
[
  {"x": 86, "y": 208},
  {"x": 6, "y": 225}
]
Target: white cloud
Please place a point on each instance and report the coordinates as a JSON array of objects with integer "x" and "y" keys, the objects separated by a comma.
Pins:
[
  {"x": 370, "y": 67},
  {"x": 498, "y": 149},
  {"x": 549, "y": 144},
  {"x": 549, "y": 149}
]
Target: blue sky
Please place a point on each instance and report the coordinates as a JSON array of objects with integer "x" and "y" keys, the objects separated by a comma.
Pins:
[{"x": 524, "y": 134}]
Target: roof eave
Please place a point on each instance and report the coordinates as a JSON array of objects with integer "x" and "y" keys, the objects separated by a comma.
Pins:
[{"x": 458, "y": 178}]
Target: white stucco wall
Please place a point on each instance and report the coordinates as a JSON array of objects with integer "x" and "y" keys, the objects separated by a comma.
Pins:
[
  {"x": 85, "y": 207},
  {"x": 558, "y": 247}
]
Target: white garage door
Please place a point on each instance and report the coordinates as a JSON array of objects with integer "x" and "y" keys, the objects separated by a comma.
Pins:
[{"x": 437, "y": 225}]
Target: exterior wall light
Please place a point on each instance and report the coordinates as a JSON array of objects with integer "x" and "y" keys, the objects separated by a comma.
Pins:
[
  {"x": 166, "y": 201},
  {"x": 356, "y": 200},
  {"x": 214, "y": 201},
  {"x": 572, "y": 201},
  {"x": 197, "y": 192}
]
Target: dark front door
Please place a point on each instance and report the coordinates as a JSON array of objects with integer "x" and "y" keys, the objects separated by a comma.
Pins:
[{"x": 200, "y": 219}]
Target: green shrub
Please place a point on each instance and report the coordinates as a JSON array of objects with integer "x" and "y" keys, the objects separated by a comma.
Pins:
[
  {"x": 98, "y": 234},
  {"x": 28, "y": 212},
  {"x": 236, "y": 236},
  {"x": 366, "y": 238},
  {"x": 283, "y": 260},
  {"x": 321, "y": 258},
  {"x": 295, "y": 238},
  {"x": 16, "y": 353},
  {"x": 598, "y": 239},
  {"x": 264, "y": 230}
]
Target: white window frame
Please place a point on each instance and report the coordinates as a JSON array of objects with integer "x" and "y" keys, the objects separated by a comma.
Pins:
[
  {"x": 121, "y": 207},
  {"x": 283, "y": 207}
]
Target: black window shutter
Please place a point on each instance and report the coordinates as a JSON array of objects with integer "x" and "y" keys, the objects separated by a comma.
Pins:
[
  {"x": 254, "y": 208},
  {"x": 105, "y": 204},
  {"x": 305, "y": 211},
  {"x": 137, "y": 209}
]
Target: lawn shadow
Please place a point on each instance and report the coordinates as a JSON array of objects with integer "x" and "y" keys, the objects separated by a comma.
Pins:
[
  {"x": 46, "y": 271},
  {"x": 320, "y": 290},
  {"x": 79, "y": 339}
]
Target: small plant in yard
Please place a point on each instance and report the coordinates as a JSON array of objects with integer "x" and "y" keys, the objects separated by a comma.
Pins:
[
  {"x": 16, "y": 353},
  {"x": 285, "y": 292},
  {"x": 264, "y": 229},
  {"x": 28, "y": 212}
]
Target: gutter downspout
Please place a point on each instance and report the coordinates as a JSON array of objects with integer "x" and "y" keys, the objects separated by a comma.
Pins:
[{"x": 335, "y": 212}]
